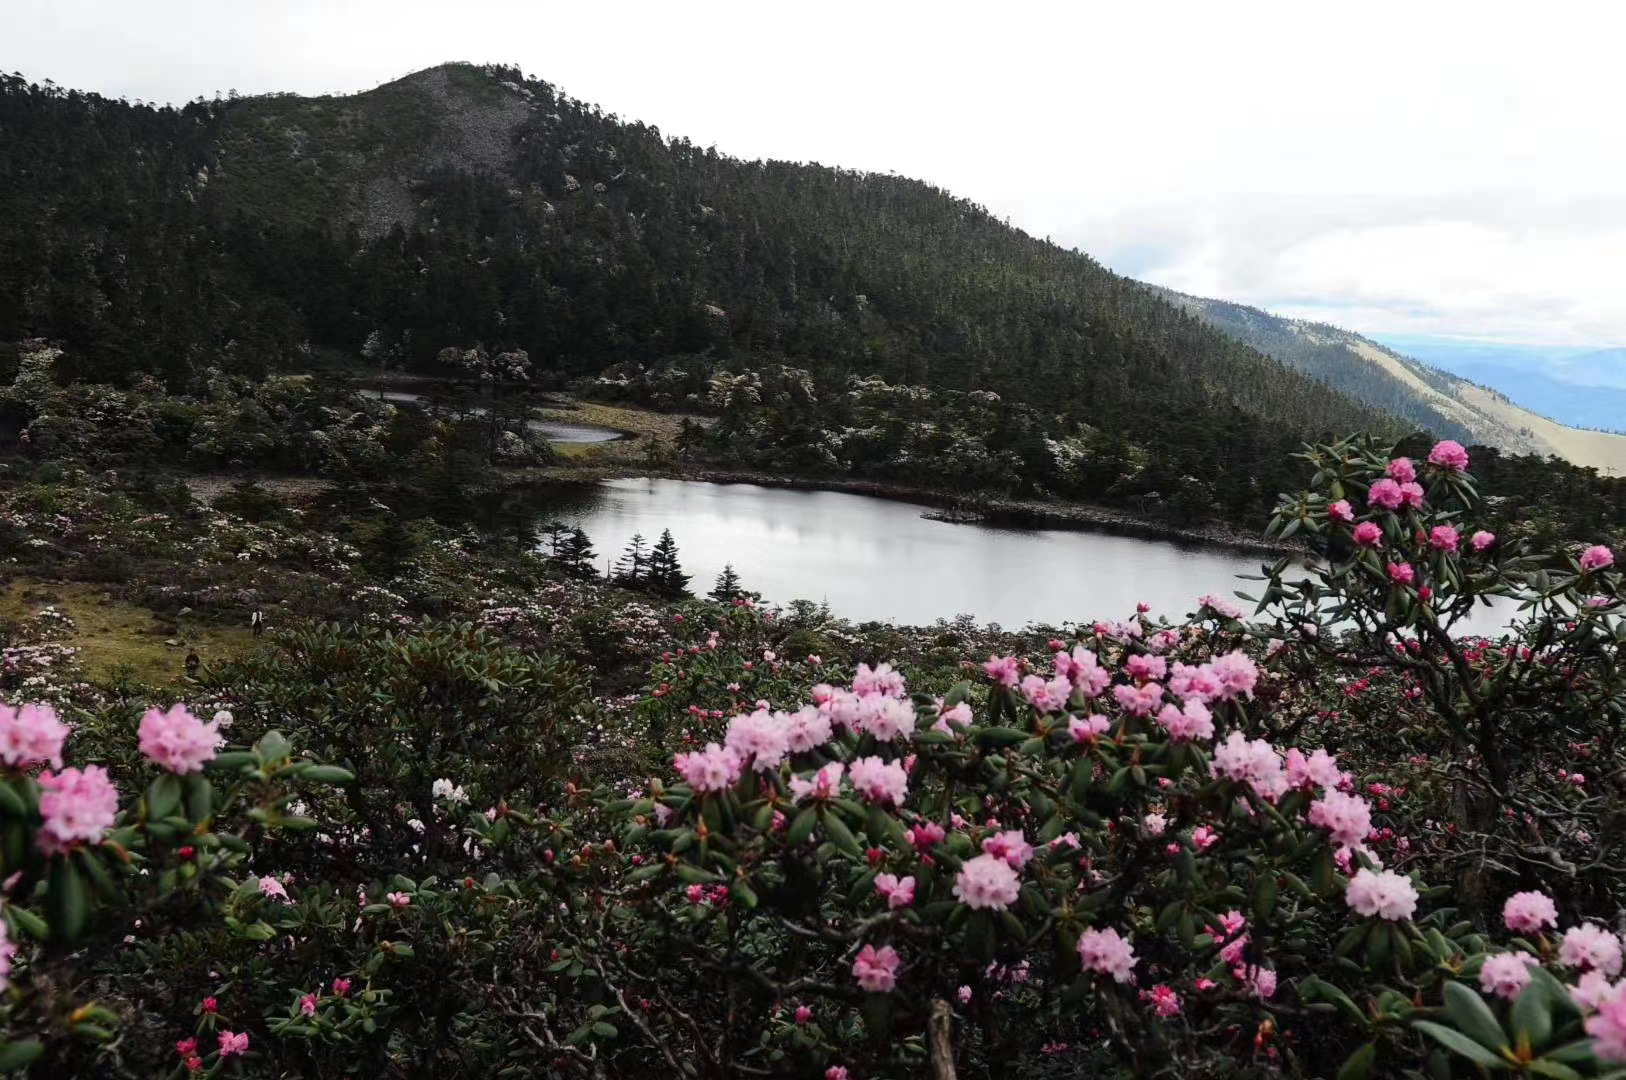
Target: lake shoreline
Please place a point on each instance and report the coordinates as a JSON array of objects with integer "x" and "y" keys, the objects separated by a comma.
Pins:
[{"x": 950, "y": 507}]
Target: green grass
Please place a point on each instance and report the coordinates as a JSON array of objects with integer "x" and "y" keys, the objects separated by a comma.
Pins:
[{"x": 116, "y": 637}]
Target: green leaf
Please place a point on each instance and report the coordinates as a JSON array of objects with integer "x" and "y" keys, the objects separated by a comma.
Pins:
[
  {"x": 1473, "y": 1017},
  {"x": 328, "y": 774},
  {"x": 802, "y": 827},
  {"x": 604, "y": 1030},
  {"x": 1358, "y": 1066},
  {"x": 1532, "y": 1015},
  {"x": 28, "y": 922},
  {"x": 200, "y": 798},
  {"x": 1545, "y": 1067},
  {"x": 999, "y": 736},
  {"x": 841, "y": 835},
  {"x": 163, "y": 796},
  {"x": 18, "y": 1055},
  {"x": 11, "y": 802},
  {"x": 65, "y": 899},
  {"x": 1454, "y": 1040}
]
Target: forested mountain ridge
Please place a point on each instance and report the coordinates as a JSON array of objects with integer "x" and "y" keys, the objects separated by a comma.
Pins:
[
  {"x": 1423, "y": 394},
  {"x": 469, "y": 205}
]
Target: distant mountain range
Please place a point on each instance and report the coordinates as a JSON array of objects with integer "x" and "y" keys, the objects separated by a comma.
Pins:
[
  {"x": 1582, "y": 387},
  {"x": 1450, "y": 403}
]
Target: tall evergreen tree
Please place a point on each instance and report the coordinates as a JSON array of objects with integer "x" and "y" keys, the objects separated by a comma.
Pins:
[
  {"x": 666, "y": 576},
  {"x": 727, "y": 586},
  {"x": 632, "y": 569}
]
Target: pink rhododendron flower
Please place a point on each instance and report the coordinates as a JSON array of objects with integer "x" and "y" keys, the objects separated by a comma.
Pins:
[
  {"x": 307, "y": 1004},
  {"x": 1367, "y": 534},
  {"x": 987, "y": 881},
  {"x": 1204, "y": 837},
  {"x": 178, "y": 741},
  {"x": 1220, "y": 606},
  {"x": 1103, "y": 951},
  {"x": 78, "y": 806},
  {"x": 1195, "y": 683},
  {"x": 1401, "y": 470},
  {"x": 1191, "y": 722},
  {"x": 806, "y": 729},
  {"x": 899, "y": 892},
  {"x": 1087, "y": 728},
  {"x": 341, "y": 987},
  {"x": 1341, "y": 511},
  {"x": 31, "y": 735},
  {"x": 1597, "y": 557},
  {"x": 1401, "y": 573},
  {"x": 1506, "y": 974},
  {"x": 1348, "y": 818},
  {"x": 1444, "y": 538},
  {"x": 1318, "y": 770},
  {"x": 8, "y": 950},
  {"x": 1383, "y": 893},
  {"x": 1004, "y": 670},
  {"x": 877, "y": 969},
  {"x": 715, "y": 768},
  {"x": 880, "y": 680},
  {"x": 952, "y": 718},
  {"x": 1449, "y": 454},
  {"x": 1528, "y": 912},
  {"x": 1047, "y": 695},
  {"x": 1155, "y": 824},
  {"x": 1593, "y": 989},
  {"x": 964, "y": 994},
  {"x": 1163, "y": 1000},
  {"x": 398, "y": 899},
  {"x": 1083, "y": 669},
  {"x": 1384, "y": 493},
  {"x": 1237, "y": 674},
  {"x": 879, "y": 781},
  {"x": 233, "y": 1044},
  {"x": 270, "y": 886},
  {"x": 1255, "y": 763},
  {"x": 1011, "y": 846},
  {"x": 804, "y": 1015},
  {"x": 886, "y": 718},
  {"x": 836, "y": 1072},
  {"x": 1607, "y": 1027},
  {"x": 1260, "y": 981},
  {"x": 1138, "y": 700},
  {"x": 926, "y": 835},
  {"x": 825, "y": 784},
  {"x": 1230, "y": 932},
  {"x": 1144, "y": 668},
  {"x": 1591, "y": 948},
  {"x": 759, "y": 737},
  {"x": 1411, "y": 495},
  {"x": 1481, "y": 540}
]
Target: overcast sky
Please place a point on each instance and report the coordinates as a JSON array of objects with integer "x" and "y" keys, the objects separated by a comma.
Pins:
[{"x": 1421, "y": 168}]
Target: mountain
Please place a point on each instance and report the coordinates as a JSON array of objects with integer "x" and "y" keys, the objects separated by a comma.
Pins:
[
  {"x": 466, "y": 204},
  {"x": 1464, "y": 408}
]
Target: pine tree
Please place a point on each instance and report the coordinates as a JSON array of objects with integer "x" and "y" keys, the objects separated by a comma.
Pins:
[
  {"x": 666, "y": 576},
  {"x": 727, "y": 586},
  {"x": 556, "y": 532},
  {"x": 632, "y": 569},
  {"x": 576, "y": 555}
]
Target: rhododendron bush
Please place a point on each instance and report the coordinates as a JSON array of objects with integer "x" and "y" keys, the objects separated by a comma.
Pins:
[{"x": 1334, "y": 836}]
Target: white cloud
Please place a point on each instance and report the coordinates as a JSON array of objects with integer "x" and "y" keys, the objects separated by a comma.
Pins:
[{"x": 1444, "y": 167}]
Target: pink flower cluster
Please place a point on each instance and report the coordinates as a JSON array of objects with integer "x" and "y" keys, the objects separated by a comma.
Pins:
[
  {"x": 1254, "y": 763},
  {"x": 1319, "y": 769},
  {"x": 78, "y": 805},
  {"x": 31, "y": 735},
  {"x": 1590, "y": 947},
  {"x": 1449, "y": 454},
  {"x": 1083, "y": 669},
  {"x": 178, "y": 741},
  {"x": 1506, "y": 974},
  {"x": 825, "y": 784},
  {"x": 1597, "y": 557},
  {"x": 987, "y": 881},
  {"x": 1528, "y": 912},
  {"x": 877, "y": 969},
  {"x": 898, "y": 892},
  {"x": 1105, "y": 952},
  {"x": 1347, "y": 818},
  {"x": 716, "y": 768},
  {"x": 1191, "y": 722},
  {"x": 879, "y": 781},
  {"x": 1383, "y": 893}
]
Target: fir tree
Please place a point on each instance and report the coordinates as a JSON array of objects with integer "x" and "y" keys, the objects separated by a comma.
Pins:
[
  {"x": 576, "y": 556},
  {"x": 666, "y": 576},
  {"x": 632, "y": 569},
  {"x": 727, "y": 586}
]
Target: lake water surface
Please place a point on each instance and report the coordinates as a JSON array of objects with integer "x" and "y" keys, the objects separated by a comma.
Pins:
[{"x": 872, "y": 558}]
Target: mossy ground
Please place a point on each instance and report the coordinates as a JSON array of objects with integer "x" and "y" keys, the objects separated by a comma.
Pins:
[{"x": 115, "y": 637}]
